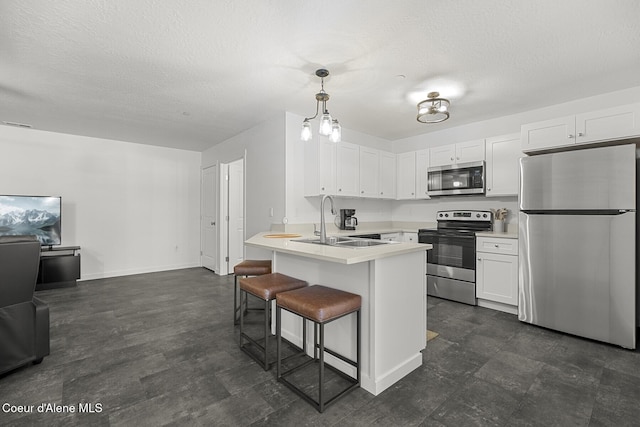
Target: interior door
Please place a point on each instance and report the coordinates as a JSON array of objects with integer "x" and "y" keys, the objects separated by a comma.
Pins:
[
  {"x": 209, "y": 227},
  {"x": 236, "y": 213}
]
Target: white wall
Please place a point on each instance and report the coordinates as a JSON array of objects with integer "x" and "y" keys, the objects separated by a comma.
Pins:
[
  {"x": 264, "y": 145},
  {"x": 132, "y": 208}
]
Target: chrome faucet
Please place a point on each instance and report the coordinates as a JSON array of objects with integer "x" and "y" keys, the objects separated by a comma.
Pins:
[{"x": 323, "y": 226}]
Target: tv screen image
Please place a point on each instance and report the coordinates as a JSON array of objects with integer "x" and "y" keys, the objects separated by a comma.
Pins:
[{"x": 32, "y": 215}]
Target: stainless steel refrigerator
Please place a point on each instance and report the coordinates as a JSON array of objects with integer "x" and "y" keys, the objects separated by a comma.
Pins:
[{"x": 577, "y": 243}]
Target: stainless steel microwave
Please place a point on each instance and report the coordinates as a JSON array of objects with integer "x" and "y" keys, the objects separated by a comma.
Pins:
[{"x": 462, "y": 178}]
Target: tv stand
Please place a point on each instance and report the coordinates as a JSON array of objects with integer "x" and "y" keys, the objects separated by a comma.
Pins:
[{"x": 59, "y": 267}]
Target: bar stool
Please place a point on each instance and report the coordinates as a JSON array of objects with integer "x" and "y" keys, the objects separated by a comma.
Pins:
[
  {"x": 246, "y": 268},
  {"x": 321, "y": 305},
  {"x": 264, "y": 287}
]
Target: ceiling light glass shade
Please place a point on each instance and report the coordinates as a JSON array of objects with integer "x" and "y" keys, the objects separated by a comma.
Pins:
[
  {"x": 306, "y": 134},
  {"x": 336, "y": 132},
  {"x": 433, "y": 109},
  {"x": 325, "y": 124}
]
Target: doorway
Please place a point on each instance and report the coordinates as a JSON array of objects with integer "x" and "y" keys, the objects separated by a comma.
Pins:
[
  {"x": 222, "y": 225},
  {"x": 209, "y": 221},
  {"x": 235, "y": 214}
]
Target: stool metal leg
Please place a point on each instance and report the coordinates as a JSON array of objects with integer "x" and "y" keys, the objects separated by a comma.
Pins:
[
  {"x": 278, "y": 341},
  {"x": 321, "y": 383},
  {"x": 267, "y": 332},
  {"x": 235, "y": 301}
]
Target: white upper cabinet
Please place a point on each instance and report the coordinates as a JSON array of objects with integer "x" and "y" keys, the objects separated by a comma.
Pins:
[
  {"x": 347, "y": 169},
  {"x": 406, "y": 172},
  {"x": 501, "y": 171},
  {"x": 599, "y": 126},
  {"x": 319, "y": 167},
  {"x": 470, "y": 151},
  {"x": 422, "y": 164},
  {"x": 554, "y": 133},
  {"x": 442, "y": 155},
  {"x": 387, "y": 175},
  {"x": 369, "y": 172},
  {"x": 462, "y": 152},
  {"x": 608, "y": 125}
]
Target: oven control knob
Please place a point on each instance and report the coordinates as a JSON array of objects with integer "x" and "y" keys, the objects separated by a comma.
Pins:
[
  {"x": 484, "y": 215},
  {"x": 446, "y": 215},
  {"x": 478, "y": 215}
]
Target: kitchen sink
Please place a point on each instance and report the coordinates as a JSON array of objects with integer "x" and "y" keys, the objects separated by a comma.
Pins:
[
  {"x": 349, "y": 242},
  {"x": 360, "y": 243}
]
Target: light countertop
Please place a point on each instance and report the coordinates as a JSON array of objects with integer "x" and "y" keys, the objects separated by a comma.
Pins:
[{"x": 342, "y": 255}]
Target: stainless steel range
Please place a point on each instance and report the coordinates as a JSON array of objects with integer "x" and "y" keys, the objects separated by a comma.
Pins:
[{"x": 451, "y": 264}]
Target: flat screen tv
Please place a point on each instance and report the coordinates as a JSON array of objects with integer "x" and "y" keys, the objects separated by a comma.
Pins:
[{"x": 32, "y": 215}]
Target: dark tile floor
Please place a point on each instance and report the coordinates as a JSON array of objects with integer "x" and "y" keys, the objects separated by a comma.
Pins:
[{"x": 159, "y": 349}]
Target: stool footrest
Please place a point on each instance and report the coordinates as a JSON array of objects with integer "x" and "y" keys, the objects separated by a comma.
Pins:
[{"x": 297, "y": 390}]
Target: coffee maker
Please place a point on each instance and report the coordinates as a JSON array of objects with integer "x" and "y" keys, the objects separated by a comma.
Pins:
[{"x": 347, "y": 219}]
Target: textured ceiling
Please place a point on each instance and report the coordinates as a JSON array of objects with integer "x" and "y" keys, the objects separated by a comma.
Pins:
[{"x": 192, "y": 73}]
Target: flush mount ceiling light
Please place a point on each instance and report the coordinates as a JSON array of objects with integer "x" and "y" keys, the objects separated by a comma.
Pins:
[
  {"x": 328, "y": 126},
  {"x": 433, "y": 109}
]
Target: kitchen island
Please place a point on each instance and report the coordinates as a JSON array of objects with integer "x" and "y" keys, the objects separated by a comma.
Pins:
[{"x": 390, "y": 278}]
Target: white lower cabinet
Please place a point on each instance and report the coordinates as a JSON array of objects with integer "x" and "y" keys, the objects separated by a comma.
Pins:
[{"x": 497, "y": 273}]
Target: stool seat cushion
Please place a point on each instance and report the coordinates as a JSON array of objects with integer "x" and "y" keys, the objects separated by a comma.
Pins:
[
  {"x": 319, "y": 303},
  {"x": 252, "y": 267},
  {"x": 268, "y": 285}
]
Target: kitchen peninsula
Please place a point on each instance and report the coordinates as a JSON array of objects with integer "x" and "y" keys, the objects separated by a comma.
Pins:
[{"x": 391, "y": 279}]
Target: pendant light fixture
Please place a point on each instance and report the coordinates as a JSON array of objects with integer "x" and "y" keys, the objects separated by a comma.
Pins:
[
  {"x": 328, "y": 125},
  {"x": 433, "y": 109}
]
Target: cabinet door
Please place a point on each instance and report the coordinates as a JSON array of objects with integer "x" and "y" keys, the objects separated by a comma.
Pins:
[
  {"x": 470, "y": 151},
  {"x": 442, "y": 155},
  {"x": 422, "y": 163},
  {"x": 406, "y": 168},
  {"x": 326, "y": 167},
  {"x": 319, "y": 167},
  {"x": 560, "y": 132},
  {"x": 387, "y": 175},
  {"x": 501, "y": 171},
  {"x": 369, "y": 172},
  {"x": 347, "y": 169},
  {"x": 497, "y": 278},
  {"x": 610, "y": 124}
]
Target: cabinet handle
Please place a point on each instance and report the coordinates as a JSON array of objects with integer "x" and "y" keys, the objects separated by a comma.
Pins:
[
  {"x": 339, "y": 189},
  {"x": 497, "y": 246},
  {"x": 571, "y": 136},
  {"x": 361, "y": 191},
  {"x": 452, "y": 159},
  {"x": 580, "y": 134},
  {"x": 479, "y": 259},
  {"x": 457, "y": 158},
  {"x": 322, "y": 188},
  {"x": 381, "y": 192},
  {"x": 412, "y": 194}
]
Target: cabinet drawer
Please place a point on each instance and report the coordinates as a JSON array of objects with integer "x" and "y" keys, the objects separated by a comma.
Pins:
[{"x": 497, "y": 245}]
